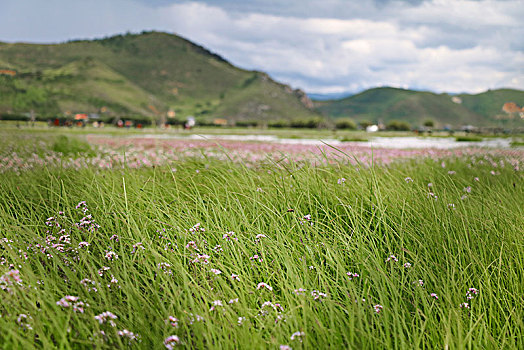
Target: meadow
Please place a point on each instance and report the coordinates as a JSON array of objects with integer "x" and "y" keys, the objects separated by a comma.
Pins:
[{"x": 109, "y": 244}]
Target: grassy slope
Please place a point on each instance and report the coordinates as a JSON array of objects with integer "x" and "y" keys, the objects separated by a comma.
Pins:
[
  {"x": 490, "y": 103},
  {"x": 179, "y": 74},
  {"x": 415, "y": 107},
  {"x": 356, "y": 226}
]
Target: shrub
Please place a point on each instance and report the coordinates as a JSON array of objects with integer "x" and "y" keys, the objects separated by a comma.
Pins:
[
  {"x": 429, "y": 123},
  {"x": 281, "y": 123},
  {"x": 398, "y": 125},
  {"x": 246, "y": 123},
  {"x": 468, "y": 139},
  {"x": 345, "y": 123},
  {"x": 9, "y": 116},
  {"x": 309, "y": 123}
]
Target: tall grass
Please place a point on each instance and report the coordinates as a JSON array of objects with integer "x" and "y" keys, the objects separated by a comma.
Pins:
[{"x": 319, "y": 224}]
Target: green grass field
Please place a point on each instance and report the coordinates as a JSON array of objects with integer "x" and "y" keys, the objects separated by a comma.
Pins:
[{"x": 218, "y": 255}]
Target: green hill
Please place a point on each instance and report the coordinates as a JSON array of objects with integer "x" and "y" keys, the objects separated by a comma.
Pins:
[
  {"x": 415, "y": 107},
  {"x": 142, "y": 74}
]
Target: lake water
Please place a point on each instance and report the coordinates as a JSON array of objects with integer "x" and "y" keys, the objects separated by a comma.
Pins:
[{"x": 376, "y": 142}]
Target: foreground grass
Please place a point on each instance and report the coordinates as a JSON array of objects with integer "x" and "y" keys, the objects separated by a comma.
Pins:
[{"x": 466, "y": 234}]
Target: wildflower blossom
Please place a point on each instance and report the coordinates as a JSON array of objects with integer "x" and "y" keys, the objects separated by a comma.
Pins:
[
  {"x": 235, "y": 277},
  {"x": 300, "y": 291},
  {"x": 215, "y": 271},
  {"x": 451, "y": 206},
  {"x": 378, "y": 308},
  {"x": 452, "y": 172},
  {"x": 256, "y": 257},
  {"x": 195, "y": 318},
  {"x": 264, "y": 285},
  {"x": 72, "y": 302},
  {"x": 279, "y": 318},
  {"x": 318, "y": 295},
  {"x": 341, "y": 181},
  {"x": 201, "y": 258},
  {"x": 171, "y": 341},
  {"x": 471, "y": 293},
  {"x": 102, "y": 270},
  {"x": 66, "y": 301},
  {"x": 419, "y": 283},
  {"x": 434, "y": 295},
  {"x": 407, "y": 265},
  {"x": 127, "y": 334},
  {"x": 285, "y": 347},
  {"x": 228, "y": 236},
  {"x": 464, "y": 306},
  {"x": 196, "y": 228},
  {"x": 82, "y": 205},
  {"x": 191, "y": 245},
  {"x": 113, "y": 282},
  {"x": 111, "y": 255},
  {"x": 87, "y": 283},
  {"x": 218, "y": 248},
  {"x": 276, "y": 307},
  {"x": 173, "y": 321},
  {"x": 114, "y": 237},
  {"x": 408, "y": 179},
  {"x": 66, "y": 239},
  {"x": 83, "y": 244},
  {"x": 352, "y": 275},
  {"x": 136, "y": 246},
  {"x": 216, "y": 303},
  {"x": 23, "y": 321},
  {"x": 392, "y": 257},
  {"x": 298, "y": 336},
  {"x": 241, "y": 321},
  {"x": 106, "y": 317},
  {"x": 467, "y": 189},
  {"x": 10, "y": 279},
  {"x": 259, "y": 236},
  {"x": 165, "y": 267}
]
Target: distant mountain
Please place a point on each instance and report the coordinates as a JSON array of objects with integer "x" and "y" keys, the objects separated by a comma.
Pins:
[
  {"x": 148, "y": 74},
  {"x": 386, "y": 104},
  {"x": 329, "y": 96}
]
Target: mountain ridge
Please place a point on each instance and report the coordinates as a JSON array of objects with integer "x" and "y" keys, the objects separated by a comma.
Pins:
[
  {"x": 384, "y": 104},
  {"x": 151, "y": 73}
]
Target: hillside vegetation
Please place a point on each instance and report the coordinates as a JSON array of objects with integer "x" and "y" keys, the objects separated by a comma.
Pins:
[
  {"x": 415, "y": 107},
  {"x": 144, "y": 74}
]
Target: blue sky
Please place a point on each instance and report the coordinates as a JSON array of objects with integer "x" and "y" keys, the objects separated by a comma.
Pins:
[{"x": 321, "y": 46}]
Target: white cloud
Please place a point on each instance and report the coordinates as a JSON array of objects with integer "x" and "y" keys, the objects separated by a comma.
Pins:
[
  {"x": 332, "y": 54},
  {"x": 321, "y": 46}
]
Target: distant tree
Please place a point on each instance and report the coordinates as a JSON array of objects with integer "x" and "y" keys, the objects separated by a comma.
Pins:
[
  {"x": 311, "y": 123},
  {"x": 398, "y": 125},
  {"x": 246, "y": 123},
  {"x": 345, "y": 123},
  {"x": 429, "y": 123},
  {"x": 281, "y": 123}
]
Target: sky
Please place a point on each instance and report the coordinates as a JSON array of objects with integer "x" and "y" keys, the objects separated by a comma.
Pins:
[{"x": 320, "y": 46}]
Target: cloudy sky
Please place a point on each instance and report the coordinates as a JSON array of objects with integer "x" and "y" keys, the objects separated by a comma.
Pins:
[{"x": 321, "y": 46}]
